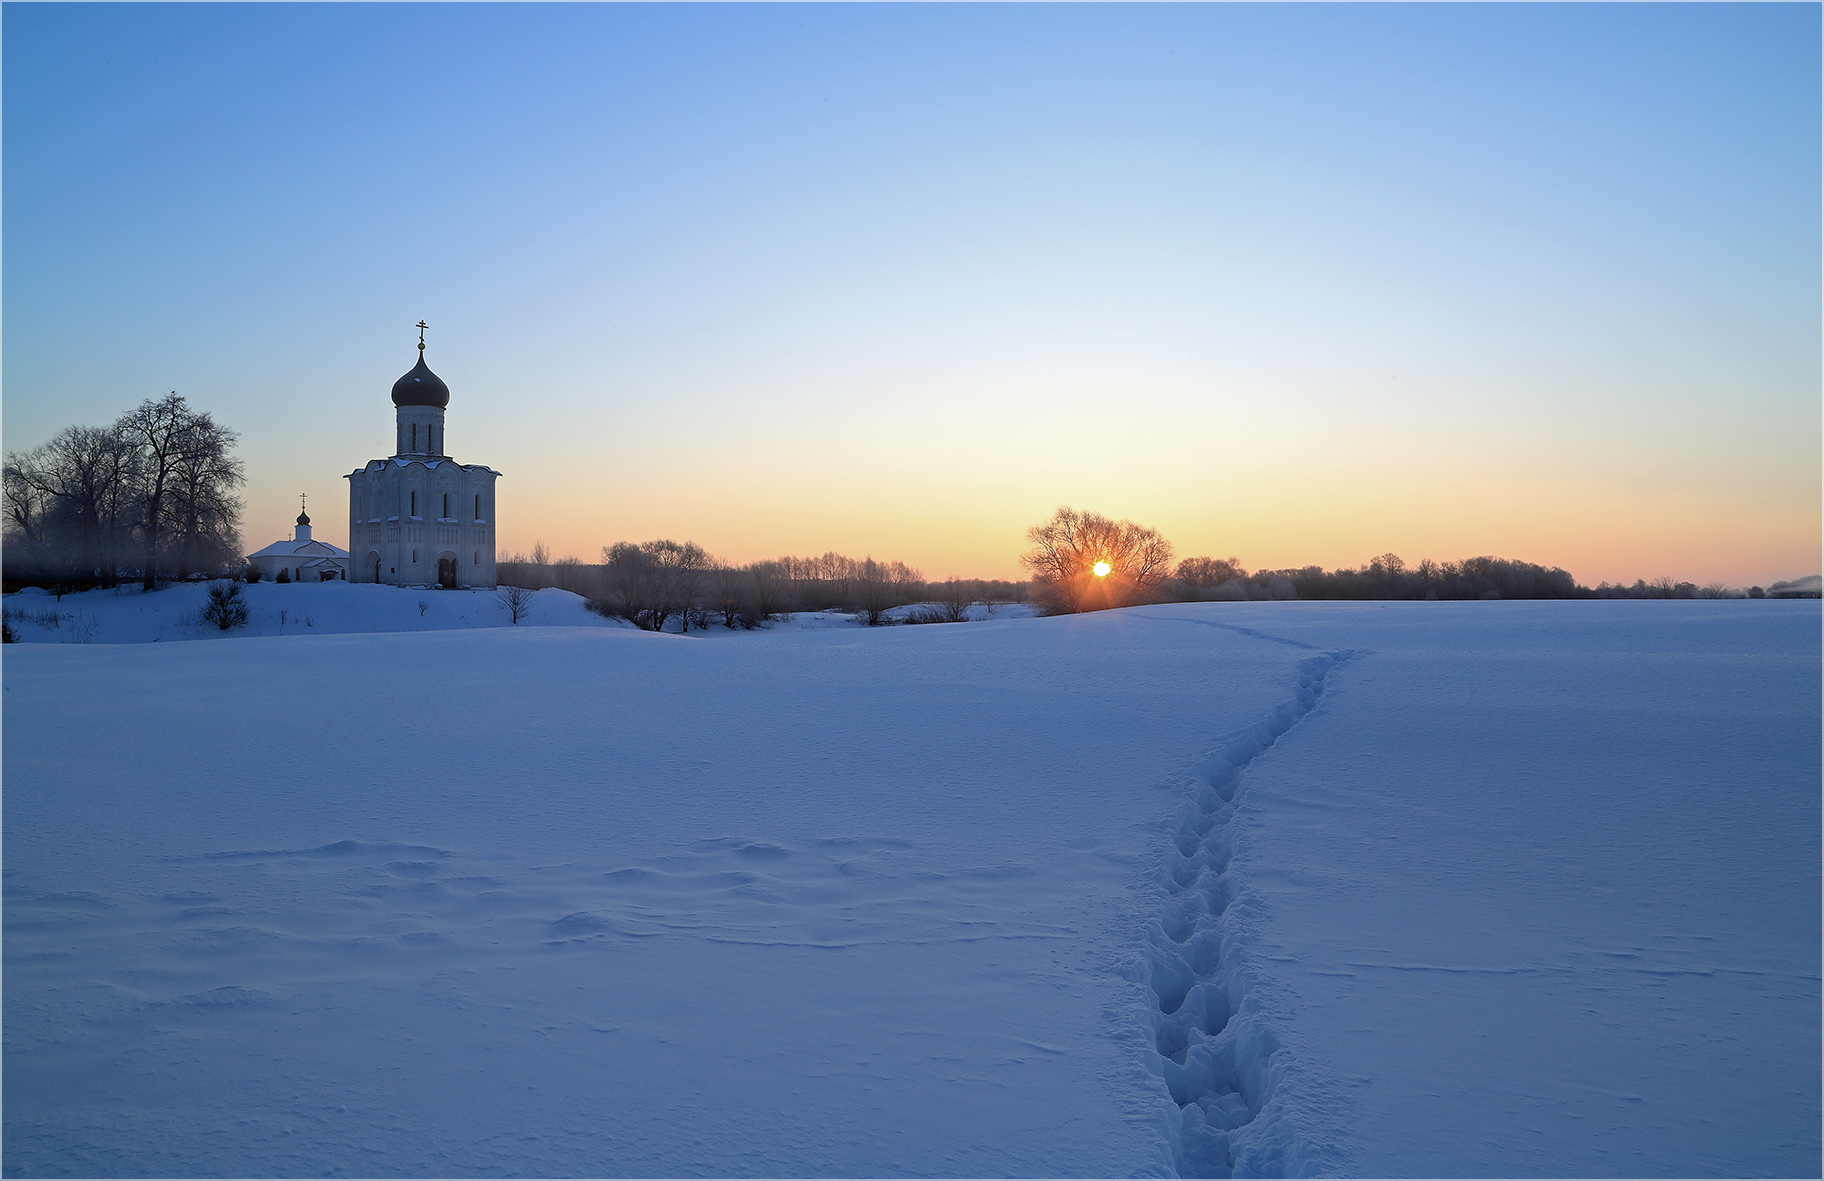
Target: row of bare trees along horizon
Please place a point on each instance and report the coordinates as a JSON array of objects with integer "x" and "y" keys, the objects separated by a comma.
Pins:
[
  {"x": 1076, "y": 561},
  {"x": 655, "y": 584}
]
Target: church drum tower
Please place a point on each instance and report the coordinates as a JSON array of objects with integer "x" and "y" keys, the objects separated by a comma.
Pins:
[{"x": 420, "y": 518}]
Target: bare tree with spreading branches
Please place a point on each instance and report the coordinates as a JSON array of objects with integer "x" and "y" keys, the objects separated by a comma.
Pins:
[
  {"x": 1083, "y": 561},
  {"x": 517, "y": 600},
  {"x": 170, "y": 438}
]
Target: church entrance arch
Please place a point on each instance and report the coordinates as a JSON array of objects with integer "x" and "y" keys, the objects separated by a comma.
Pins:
[
  {"x": 373, "y": 563},
  {"x": 446, "y": 571}
]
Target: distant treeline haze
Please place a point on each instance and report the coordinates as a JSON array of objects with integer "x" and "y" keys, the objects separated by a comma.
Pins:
[
  {"x": 656, "y": 584},
  {"x": 1083, "y": 561},
  {"x": 666, "y": 584},
  {"x": 1389, "y": 577}
]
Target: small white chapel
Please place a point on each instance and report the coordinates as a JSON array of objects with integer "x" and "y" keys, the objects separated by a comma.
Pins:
[
  {"x": 302, "y": 559},
  {"x": 419, "y": 518}
]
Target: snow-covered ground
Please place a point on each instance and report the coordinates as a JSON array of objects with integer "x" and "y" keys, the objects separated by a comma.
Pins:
[
  {"x": 1385, "y": 889},
  {"x": 173, "y": 613}
]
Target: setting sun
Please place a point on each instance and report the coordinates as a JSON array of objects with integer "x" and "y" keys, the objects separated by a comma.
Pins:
[{"x": 1101, "y": 569}]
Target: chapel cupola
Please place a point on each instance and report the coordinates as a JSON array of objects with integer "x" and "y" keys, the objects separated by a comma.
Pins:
[
  {"x": 420, "y": 397},
  {"x": 421, "y": 387},
  {"x": 303, "y": 533}
]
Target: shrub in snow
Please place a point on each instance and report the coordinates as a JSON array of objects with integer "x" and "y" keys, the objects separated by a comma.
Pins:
[
  {"x": 252, "y": 573},
  {"x": 284, "y": 575},
  {"x": 225, "y": 608}
]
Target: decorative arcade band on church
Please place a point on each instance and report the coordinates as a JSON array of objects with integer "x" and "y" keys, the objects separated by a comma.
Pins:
[{"x": 419, "y": 518}]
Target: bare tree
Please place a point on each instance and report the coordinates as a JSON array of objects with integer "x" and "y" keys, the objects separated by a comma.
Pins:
[
  {"x": 1208, "y": 572},
  {"x": 772, "y": 590},
  {"x": 517, "y": 600},
  {"x": 1084, "y": 561},
  {"x": 28, "y": 509},
  {"x": 168, "y": 436},
  {"x": 70, "y": 503},
  {"x": 687, "y": 567},
  {"x": 954, "y": 598},
  {"x": 203, "y": 509},
  {"x": 631, "y": 585},
  {"x": 881, "y": 586},
  {"x": 730, "y": 592},
  {"x": 567, "y": 574},
  {"x": 651, "y": 582}
]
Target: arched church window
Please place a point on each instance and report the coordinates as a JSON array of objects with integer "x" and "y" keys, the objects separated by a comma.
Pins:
[
  {"x": 446, "y": 506},
  {"x": 414, "y": 504},
  {"x": 478, "y": 506},
  {"x": 414, "y": 557},
  {"x": 414, "y": 436}
]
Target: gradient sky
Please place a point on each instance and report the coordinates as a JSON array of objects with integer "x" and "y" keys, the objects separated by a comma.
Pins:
[{"x": 1298, "y": 284}]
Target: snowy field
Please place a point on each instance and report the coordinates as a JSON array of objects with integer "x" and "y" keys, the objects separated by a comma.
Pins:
[
  {"x": 1374, "y": 889},
  {"x": 173, "y": 613}
]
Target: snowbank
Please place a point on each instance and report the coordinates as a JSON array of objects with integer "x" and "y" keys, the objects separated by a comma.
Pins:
[
  {"x": 128, "y": 615},
  {"x": 173, "y": 612}
]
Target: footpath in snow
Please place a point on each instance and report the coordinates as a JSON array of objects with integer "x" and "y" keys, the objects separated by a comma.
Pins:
[
  {"x": 1382, "y": 889},
  {"x": 1534, "y": 892}
]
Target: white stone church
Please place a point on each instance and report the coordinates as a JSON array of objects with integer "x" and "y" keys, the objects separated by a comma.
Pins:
[{"x": 420, "y": 518}]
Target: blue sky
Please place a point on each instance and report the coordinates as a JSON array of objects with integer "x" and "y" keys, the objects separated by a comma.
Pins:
[{"x": 1296, "y": 283}]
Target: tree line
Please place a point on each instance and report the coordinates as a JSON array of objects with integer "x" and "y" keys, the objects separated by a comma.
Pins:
[
  {"x": 660, "y": 583},
  {"x": 149, "y": 497},
  {"x": 1083, "y": 561},
  {"x": 1077, "y": 561}
]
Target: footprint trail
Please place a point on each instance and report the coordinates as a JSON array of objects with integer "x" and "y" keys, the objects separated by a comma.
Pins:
[{"x": 1214, "y": 1051}]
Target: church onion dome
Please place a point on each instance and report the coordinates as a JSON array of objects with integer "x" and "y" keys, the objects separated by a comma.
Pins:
[
  {"x": 421, "y": 387},
  {"x": 303, "y": 518}
]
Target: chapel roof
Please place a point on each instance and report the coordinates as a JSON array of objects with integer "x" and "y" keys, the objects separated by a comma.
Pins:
[{"x": 294, "y": 548}]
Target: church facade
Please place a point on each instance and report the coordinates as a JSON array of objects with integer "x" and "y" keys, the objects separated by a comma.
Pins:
[{"x": 419, "y": 518}]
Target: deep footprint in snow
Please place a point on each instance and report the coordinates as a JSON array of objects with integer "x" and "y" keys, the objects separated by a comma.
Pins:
[{"x": 1215, "y": 1066}]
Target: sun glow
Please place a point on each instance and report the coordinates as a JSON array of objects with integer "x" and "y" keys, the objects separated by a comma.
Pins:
[{"x": 1101, "y": 569}]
